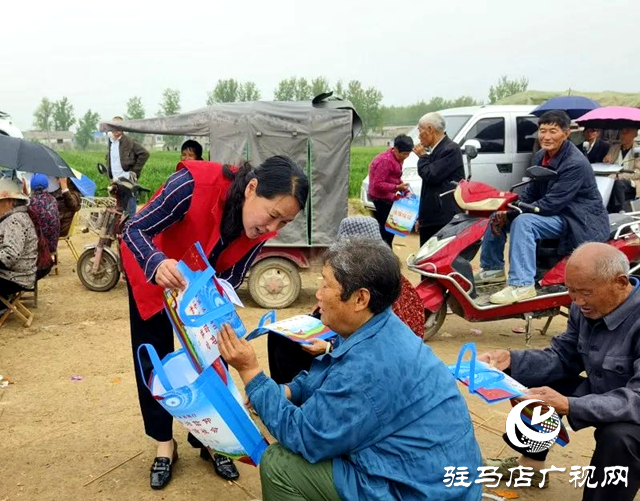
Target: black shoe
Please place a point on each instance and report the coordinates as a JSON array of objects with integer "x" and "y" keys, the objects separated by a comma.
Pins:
[
  {"x": 222, "y": 465},
  {"x": 161, "y": 469}
]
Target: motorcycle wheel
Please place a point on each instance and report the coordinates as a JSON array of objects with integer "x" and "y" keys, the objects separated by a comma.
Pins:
[
  {"x": 105, "y": 278},
  {"x": 433, "y": 322}
]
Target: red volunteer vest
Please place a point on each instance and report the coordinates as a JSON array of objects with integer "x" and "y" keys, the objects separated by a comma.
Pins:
[{"x": 200, "y": 224}]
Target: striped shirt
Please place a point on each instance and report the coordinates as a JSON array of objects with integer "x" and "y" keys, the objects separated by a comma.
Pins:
[{"x": 169, "y": 207}]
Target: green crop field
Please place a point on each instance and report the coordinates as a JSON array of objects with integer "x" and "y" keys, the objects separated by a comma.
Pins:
[{"x": 162, "y": 163}]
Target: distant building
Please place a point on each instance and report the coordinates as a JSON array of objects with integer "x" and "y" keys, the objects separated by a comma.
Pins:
[{"x": 60, "y": 140}]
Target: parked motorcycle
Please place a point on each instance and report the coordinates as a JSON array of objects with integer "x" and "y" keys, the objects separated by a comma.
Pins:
[
  {"x": 99, "y": 265},
  {"x": 444, "y": 261}
]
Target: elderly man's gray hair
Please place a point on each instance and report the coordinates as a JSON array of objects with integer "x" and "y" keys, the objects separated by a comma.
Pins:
[
  {"x": 608, "y": 265},
  {"x": 363, "y": 263},
  {"x": 434, "y": 119}
]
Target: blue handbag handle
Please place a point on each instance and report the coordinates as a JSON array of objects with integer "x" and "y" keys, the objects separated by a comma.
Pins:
[
  {"x": 268, "y": 317},
  {"x": 472, "y": 365},
  {"x": 200, "y": 320},
  {"x": 157, "y": 367}
]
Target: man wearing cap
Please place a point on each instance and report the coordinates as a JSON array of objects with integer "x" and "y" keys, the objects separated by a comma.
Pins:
[
  {"x": 437, "y": 170},
  {"x": 594, "y": 148},
  {"x": 385, "y": 180},
  {"x": 18, "y": 241}
]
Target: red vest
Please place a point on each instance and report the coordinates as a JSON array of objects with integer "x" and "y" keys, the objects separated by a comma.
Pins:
[{"x": 200, "y": 224}]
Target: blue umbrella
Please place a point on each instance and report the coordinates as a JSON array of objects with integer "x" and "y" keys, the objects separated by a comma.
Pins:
[
  {"x": 85, "y": 184},
  {"x": 575, "y": 106}
]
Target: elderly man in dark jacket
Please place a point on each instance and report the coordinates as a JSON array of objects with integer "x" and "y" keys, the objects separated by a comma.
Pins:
[
  {"x": 437, "y": 170},
  {"x": 569, "y": 208},
  {"x": 602, "y": 340}
]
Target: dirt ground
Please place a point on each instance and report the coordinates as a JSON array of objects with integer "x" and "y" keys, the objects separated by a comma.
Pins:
[{"x": 57, "y": 434}]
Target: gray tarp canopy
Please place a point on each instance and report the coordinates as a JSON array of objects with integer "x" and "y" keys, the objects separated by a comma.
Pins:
[{"x": 316, "y": 134}]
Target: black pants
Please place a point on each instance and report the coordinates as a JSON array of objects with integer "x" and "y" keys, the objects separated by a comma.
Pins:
[
  {"x": 158, "y": 332},
  {"x": 7, "y": 288},
  {"x": 617, "y": 444},
  {"x": 382, "y": 213},
  {"x": 426, "y": 232},
  {"x": 286, "y": 358},
  {"x": 622, "y": 192}
]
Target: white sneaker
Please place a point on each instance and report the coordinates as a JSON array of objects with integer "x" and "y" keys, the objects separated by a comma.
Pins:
[
  {"x": 512, "y": 294},
  {"x": 489, "y": 277}
]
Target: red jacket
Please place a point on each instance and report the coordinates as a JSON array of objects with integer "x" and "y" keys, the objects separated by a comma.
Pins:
[
  {"x": 200, "y": 224},
  {"x": 385, "y": 174}
]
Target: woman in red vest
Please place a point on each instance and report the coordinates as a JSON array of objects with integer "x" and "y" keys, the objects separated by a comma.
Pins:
[{"x": 232, "y": 212}]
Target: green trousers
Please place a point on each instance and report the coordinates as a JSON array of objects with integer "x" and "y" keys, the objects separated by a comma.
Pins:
[{"x": 286, "y": 476}]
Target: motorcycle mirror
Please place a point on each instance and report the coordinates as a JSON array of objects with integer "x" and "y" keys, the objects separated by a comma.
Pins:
[
  {"x": 537, "y": 172},
  {"x": 101, "y": 169}
]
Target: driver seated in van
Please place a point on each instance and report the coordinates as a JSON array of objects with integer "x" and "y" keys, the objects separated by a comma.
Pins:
[{"x": 568, "y": 208}]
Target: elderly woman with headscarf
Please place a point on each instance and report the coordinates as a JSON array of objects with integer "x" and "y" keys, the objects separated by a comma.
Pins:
[
  {"x": 288, "y": 358},
  {"x": 380, "y": 417},
  {"x": 43, "y": 209},
  {"x": 18, "y": 241}
]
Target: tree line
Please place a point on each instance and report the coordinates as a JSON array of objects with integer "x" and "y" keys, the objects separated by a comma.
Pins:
[{"x": 59, "y": 115}]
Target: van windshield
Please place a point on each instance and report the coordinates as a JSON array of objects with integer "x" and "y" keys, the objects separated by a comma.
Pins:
[{"x": 454, "y": 124}]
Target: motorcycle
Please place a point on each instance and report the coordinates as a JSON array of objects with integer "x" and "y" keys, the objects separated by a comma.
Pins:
[
  {"x": 99, "y": 265},
  {"x": 444, "y": 261}
]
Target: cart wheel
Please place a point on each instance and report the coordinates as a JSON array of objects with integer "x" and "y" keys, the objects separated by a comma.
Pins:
[
  {"x": 433, "y": 322},
  {"x": 105, "y": 278},
  {"x": 274, "y": 283}
]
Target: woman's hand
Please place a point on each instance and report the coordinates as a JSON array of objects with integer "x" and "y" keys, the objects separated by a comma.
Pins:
[
  {"x": 317, "y": 347},
  {"x": 168, "y": 276},
  {"x": 239, "y": 354},
  {"x": 64, "y": 183}
]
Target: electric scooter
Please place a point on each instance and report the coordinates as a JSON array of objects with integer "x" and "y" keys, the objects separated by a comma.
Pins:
[{"x": 444, "y": 261}]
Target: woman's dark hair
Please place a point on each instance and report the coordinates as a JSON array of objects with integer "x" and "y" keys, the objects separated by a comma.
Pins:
[
  {"x": 194, "y": 146},
  {"x": 277, "y": 175},
  {"x": 363, "y": 263}
]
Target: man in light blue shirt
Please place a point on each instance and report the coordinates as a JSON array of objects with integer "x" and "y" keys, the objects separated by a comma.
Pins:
[{"x": 377, "y": 418}]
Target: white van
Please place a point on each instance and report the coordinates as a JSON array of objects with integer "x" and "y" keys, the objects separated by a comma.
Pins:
[
  {"x": 506, "y": 134},
  {"x": 7, "y": 128}
]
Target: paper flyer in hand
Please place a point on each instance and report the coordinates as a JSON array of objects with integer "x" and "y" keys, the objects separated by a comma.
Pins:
[{"x": 302, "y": 329}]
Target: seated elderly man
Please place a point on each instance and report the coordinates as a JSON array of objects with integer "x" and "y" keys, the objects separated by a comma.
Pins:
[
  {"x": 603, "y": 340},
  {"x": 626, "y": 185},
  {"x": 18, "y": 241},
  {"x": 377, "y": 418},
  {"x": 570, "y": 209}
]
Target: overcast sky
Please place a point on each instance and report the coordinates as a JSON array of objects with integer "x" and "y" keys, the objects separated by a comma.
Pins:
[{"x": 99, "y": 54}]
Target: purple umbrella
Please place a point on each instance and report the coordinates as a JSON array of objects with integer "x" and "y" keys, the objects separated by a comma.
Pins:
[{"x": 611, "y": 117}]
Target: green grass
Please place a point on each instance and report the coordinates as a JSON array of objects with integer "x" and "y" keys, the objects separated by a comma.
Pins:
[{"x": 161, "y": 165}]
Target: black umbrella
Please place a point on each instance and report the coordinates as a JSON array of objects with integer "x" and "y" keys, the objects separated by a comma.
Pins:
[{"x": 18, "y": 154}]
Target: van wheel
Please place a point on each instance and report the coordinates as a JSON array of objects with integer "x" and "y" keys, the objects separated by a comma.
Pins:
[
  {"x": 433, "y": 322},
  {"x": 274, "y": 283}
]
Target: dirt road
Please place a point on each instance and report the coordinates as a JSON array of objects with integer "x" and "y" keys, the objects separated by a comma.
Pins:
[{"x": 58, "y": 432}]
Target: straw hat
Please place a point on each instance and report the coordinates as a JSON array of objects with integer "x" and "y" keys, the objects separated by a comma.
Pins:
[{"x": 9, "y": 189}]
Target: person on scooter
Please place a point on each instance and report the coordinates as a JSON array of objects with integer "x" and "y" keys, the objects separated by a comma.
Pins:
[
  {"x": 625, "y": 187},
  {"x": 232, "y": 212},
  {"x": 437, "y": 169},
  {"x": 569, "y": 208},
  {"x": 603, "y": 340}
]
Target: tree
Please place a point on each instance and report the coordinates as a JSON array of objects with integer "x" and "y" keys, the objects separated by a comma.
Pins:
[
  {"x": 43, "y": 116},
  {"x": 506, "y": 87},
  {"x": 302, "y": 90},
  {"x": 319, "y": 85},
  {"x": 135, "y": 111},
  {"x": 286, "y": 90},
  {"x": 367, "y": 104},
  {"x": 86, "y": 126},
  {"x": 339, "y": 90},
  {"x": 63, "y": 117},
  {"x": 249, "y": 92},
  {"x": 225, "y": 91},
  {"x": 170, "y": 105}
]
